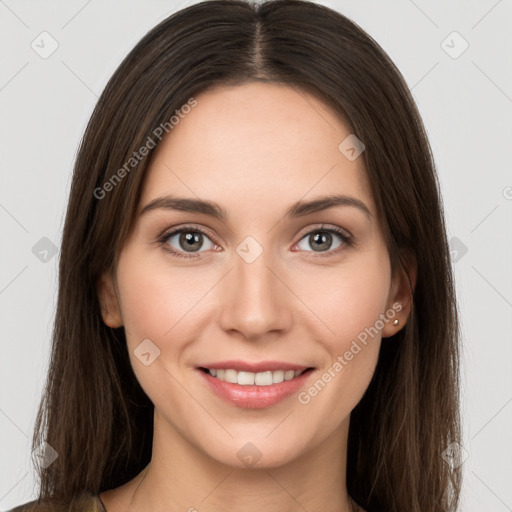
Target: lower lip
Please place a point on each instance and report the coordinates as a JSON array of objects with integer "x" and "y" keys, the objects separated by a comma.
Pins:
[{"x": 255, "y": 397}]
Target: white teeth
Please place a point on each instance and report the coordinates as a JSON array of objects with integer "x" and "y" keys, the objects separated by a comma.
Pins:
[
  {"x": 260, "y": 379},
  {"x": 230, "y": 376},
  {"x": 264, "y": 379},
  {"x": 245, "y": 378},
  {"x": 278, "y": 376}
]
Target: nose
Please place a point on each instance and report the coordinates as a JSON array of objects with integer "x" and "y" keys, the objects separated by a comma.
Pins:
[{"x": 255, "y": 300}]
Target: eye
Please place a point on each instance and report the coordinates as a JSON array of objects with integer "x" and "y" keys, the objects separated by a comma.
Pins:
[
  {"x": 186, "y": 241},
  {"x": 322, "y": 239}
]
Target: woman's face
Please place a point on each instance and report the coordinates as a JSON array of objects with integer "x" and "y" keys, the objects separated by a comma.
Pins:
[{"x": 264, "y": 283}]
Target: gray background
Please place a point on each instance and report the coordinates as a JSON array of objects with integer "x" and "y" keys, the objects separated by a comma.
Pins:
[{"x": 466, "y": 104}]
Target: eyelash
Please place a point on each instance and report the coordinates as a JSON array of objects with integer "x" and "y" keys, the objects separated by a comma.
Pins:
[{"x": 347, "y": 240}]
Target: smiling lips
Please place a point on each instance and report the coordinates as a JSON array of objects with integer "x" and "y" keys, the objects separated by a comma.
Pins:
[{"x": 254, "y": 385}]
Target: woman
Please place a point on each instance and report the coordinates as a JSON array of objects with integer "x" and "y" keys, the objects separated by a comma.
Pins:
[{"x": 256, "y": 307}]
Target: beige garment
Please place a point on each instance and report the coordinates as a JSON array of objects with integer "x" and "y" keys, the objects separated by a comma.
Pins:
[{"x": 85, "y": 502}]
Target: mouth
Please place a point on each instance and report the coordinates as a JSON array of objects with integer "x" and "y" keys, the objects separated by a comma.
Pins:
[
  {"x": 245, "y": 378},
  {"x": 254, "y": 390}
]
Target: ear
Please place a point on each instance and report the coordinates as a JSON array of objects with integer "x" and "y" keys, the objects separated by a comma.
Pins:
[
  {"x": 400, "y": 296},
  {"x": 109, "y": 302}
]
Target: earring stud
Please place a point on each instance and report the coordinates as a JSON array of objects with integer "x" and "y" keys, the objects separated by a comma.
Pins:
[{"x": 396, "y": 322}]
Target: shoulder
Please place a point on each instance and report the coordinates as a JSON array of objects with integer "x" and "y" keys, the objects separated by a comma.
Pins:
[{"x": 84, "y": 502}]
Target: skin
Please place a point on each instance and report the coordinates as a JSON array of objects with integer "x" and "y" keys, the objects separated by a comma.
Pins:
[{"x": 271, "y": 146}]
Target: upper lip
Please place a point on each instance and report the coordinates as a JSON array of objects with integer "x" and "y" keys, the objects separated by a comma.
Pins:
[{"x": 247, "y": 366}]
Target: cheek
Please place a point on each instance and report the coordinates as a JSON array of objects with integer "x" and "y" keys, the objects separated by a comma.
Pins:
[
  {"x": 157, "y": 301},
  {"x": 167, "y": 306},
  {"x": 350, "y": 301},
  {"x": 157, "y": 305},
  {"x": 348, "y": 298}
]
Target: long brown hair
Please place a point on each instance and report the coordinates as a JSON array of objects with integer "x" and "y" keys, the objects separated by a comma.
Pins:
[{"x": 93, "y": 411}]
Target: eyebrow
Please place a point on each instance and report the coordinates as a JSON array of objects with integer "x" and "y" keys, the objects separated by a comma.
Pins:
[{"x": 298, "y": 209}]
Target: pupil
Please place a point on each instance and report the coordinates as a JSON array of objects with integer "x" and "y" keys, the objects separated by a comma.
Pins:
[
  {"x": 187, "y": 241},
  {"x": 322, "y": 240}
]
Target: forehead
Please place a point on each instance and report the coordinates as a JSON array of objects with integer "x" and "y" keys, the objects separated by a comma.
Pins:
[{"x": 256, "y": 144}]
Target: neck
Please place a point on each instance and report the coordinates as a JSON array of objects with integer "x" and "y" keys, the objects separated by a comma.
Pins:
[{"x": 181, "y": 477}]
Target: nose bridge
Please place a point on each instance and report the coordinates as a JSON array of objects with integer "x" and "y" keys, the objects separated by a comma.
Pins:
[{"x": 254, "y": 303}]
